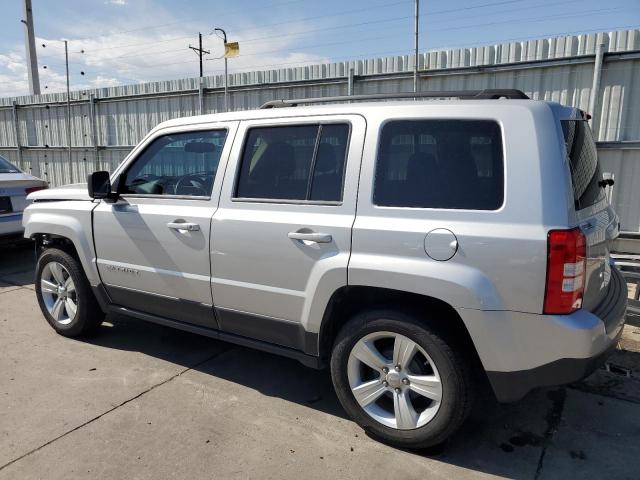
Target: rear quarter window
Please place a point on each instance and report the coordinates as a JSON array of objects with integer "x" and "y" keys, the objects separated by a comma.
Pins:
[
  {"x": 583, "y": 163},
  {"x": 448, "y": 164}
]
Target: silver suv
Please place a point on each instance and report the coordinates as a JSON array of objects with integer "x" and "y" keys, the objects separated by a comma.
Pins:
[{"x": 414, "y": 247}]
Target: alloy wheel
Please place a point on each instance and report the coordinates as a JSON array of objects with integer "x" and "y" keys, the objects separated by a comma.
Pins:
[
  {"x": 394, "y": 380},
  {"x": 58, "y": 293}
]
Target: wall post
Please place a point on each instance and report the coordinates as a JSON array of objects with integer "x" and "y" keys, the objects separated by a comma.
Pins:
[
  {"x": 94, "y": 132},
  {"x": 16, "y": 126}
]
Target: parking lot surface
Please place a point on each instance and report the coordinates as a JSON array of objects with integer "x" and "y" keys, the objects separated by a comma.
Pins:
[{"x": 141, "y": 401}]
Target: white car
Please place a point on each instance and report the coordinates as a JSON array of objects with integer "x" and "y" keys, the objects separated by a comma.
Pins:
[{"x": 15, "y": 185}]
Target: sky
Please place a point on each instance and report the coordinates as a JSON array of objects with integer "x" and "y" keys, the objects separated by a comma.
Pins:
[{"x": 118, "y": 42}]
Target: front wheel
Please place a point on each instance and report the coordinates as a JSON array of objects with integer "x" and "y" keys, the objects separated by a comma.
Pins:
[
  {"x": 65, "y": 296},
  {"x": 400, "y": 380}
]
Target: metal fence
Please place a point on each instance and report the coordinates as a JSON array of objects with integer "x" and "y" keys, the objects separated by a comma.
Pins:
[{"x": 598, "y": 72}]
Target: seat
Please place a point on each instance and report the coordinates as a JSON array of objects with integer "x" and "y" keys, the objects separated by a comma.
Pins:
[
  {"x": 423, "y": 181},
  {"x": 460, "y": 175},
  {"x": 272, "y": 173}
]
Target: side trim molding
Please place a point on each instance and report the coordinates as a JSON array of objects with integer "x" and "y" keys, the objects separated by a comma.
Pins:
[
  {"x": 175, "y": 308},
  {"x": 307, "y": 360},
  {"x": 268, "y": 329}
]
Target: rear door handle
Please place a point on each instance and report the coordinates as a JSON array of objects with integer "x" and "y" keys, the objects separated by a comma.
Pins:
[
  {"x": 191, "y": 227},
  {"x": 311, "y": 237}
]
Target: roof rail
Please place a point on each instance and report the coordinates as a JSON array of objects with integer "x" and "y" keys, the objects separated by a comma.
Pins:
[{"x": 486, "y": 94}]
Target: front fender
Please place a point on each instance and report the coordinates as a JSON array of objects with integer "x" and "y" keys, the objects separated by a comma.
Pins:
[{"x": 68, "y": 219}]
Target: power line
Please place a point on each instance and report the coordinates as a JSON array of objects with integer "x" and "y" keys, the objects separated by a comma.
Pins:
[
  {"x": 139, "y": 43},
  {"x": 458, "y": 27},
  {"x": 337, "y": 27},
  {"x": 377, "y": 37},
  {"x": 344, "y": 12},
  {"x": 155, "y": 65},
  {"x": 510, "y": 21},
  {"x": 395, "y": 19},
  {"x": 530, "y": 20},
  {"x": 307, "y": 31},
  {"x": 541, "y": 36}
]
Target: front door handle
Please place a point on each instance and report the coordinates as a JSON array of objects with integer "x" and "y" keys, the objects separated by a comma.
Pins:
[
  {"x": 311, "y": 237},
  {"x": 190, "y": 227}
]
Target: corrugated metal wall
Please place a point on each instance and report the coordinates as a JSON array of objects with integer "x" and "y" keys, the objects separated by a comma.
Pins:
[{"x": 107, "y": 122}]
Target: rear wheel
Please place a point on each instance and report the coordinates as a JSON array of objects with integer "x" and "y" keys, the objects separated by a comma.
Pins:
[
  {"x": 65, "y": 296},
  {"x": 400, "y": 380}
]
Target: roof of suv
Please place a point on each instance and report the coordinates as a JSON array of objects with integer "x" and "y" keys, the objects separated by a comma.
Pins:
[{"x": 363, "y": 108}]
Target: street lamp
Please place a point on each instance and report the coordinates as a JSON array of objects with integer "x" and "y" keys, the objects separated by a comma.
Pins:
[
  {"x": 231, "y": 49},
  {"x": 226, "y": 90}
]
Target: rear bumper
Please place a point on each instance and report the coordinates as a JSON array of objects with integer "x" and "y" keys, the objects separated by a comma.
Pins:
[
  {"x": 512, "y": 386},
  {"x": 522, "y": 351}
]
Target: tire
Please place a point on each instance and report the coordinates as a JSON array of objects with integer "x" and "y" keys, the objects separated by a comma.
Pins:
[
  {"x": 54, "y": 268},
  {"x": 433, "y": 420}
]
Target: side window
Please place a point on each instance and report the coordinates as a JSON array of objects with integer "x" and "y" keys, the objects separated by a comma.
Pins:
[
  {"x": 177, "y": 164},
  {"x": 301, "y": 162},
  {"x": 453, "y": 164}
]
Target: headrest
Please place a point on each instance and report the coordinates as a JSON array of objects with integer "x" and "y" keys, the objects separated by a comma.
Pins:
[{"x": 326, "y": 161}]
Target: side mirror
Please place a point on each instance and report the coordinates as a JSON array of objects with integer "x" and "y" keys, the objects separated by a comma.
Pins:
[{"x": 99, "y": 185}]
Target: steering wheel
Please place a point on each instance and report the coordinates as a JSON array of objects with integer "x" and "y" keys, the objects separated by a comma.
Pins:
[
  {"x": 192, "y": 182},
  {"x": 147, "y": 177}
]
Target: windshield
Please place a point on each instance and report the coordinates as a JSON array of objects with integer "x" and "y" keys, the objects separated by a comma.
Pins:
[
  {"x": 583, "y": 159},
  {"x": 6, "y": 167}
]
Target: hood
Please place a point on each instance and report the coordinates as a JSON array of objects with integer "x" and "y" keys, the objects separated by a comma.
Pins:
[{"x": 76, "y": 191}]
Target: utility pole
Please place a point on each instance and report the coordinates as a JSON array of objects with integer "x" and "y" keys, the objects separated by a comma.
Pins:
[
  {"x": 199, "y": 51},
  {"x": 30, "y": 45},
  {"x": 66, "y": 64},
  {"x": 226, "y": 78},
  {"x": 415, "y": 62}
]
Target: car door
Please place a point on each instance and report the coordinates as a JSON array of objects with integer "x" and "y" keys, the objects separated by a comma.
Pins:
[
  {"x": 282, "y": 236},
  {"x": 152, "y": 244}
]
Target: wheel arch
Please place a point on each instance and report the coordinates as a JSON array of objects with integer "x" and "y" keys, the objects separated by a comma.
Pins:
[
  {"x": 44, "y": 241},
  {"x": 72, "y": 231},
  {"x": 348, "y": 301}
]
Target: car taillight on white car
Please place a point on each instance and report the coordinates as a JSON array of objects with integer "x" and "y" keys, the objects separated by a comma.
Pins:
[
  {"x": 566, "y": 257},
  {"x": 29, "y": 190}
]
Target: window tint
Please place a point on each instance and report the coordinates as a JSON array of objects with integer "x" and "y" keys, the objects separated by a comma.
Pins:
[
  {"x": 583, "y": 162},
  {"x": 177, "y": 164},
  {"x": 440, "y": 164},
  {"x": 328, "y": 173},
  {"x": 302, "y": 162}
]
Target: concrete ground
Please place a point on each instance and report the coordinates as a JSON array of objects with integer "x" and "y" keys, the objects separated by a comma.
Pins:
[{"x": 143, "y": 401}]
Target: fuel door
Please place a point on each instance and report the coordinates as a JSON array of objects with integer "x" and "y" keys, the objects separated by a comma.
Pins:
[{"x": 441, "y": 244}]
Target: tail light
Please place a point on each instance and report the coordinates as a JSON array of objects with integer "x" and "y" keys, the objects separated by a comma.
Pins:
[
  {"x": 29, "y": 190},
  {"x": 565, "y": 271}
]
